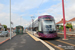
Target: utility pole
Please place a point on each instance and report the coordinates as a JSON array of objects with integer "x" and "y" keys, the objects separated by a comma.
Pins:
[{"x": 64, "y": 19}]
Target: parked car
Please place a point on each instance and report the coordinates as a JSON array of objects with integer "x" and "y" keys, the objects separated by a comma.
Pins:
[{"x": 4, "y": 33}]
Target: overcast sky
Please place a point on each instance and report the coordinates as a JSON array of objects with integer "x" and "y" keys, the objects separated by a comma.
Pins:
[{"x": 24, "y": 9}]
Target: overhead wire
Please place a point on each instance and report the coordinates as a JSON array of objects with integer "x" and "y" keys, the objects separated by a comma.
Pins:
[{"x": 39, "y": 6}]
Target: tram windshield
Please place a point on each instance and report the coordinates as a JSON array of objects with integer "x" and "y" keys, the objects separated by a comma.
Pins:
[{"x": 49, "y": 25}]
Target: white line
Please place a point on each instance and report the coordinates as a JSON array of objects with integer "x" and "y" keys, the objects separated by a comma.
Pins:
[{"x": 51, "y": 48}]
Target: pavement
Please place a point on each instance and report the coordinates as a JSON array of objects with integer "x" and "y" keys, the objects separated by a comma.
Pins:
[
  {"x": 23, "y": 42},
  {"x": 5, "y": 38},
  {"x": 68, "y": 33}
]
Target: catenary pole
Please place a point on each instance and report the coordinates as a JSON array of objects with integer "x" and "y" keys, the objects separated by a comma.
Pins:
[
  {"x": 32, "y": 22},
  {"x": 10, "y": 19},
  {"x": 64, "y": 19}
]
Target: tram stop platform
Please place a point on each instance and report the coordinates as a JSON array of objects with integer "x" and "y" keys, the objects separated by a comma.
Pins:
[
  {"x": 68, "y": 33},
  {"x": 23, "y": 42}
]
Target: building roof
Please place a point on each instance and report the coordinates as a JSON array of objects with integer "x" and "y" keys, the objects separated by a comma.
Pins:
[
  {"x": 73, "y": 19},
  {"x": 60, "y": 21}
]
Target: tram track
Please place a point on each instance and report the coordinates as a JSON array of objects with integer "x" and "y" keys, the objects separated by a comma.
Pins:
[
  {"x": 54, "y": 45},
  {"x": 58, "y": 44},
  {"x": 66, "y": 42},
  {"x": 61, "y": 42}
]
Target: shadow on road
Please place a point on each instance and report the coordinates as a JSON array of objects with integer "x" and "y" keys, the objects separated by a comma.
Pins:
[
  {"x": 24, "y": 33},
  {"x": 50, "y": 38}
]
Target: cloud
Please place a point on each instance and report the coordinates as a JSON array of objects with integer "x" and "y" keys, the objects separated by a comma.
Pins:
[
  {"x": 18, "y": 20},
  {"x": 4, "y": 18},
  {"x": 23, "y": 5},
  {"x": 70, "y": 9},
  {"x": 15, "y": 18},
  {"x": 1, "y": 7},
  {"x": 17, "y": 6},
  {"x": 43, "y": 14},
  {"x": 56, "y": 10}
]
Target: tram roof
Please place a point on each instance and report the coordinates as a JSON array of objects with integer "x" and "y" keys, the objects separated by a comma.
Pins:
[
  {"x": 35, "y": 19},
  {"x": 45, "y": 16}
]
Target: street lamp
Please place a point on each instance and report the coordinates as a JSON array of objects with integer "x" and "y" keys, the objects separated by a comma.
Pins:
[{"x": 32, "y": 21}]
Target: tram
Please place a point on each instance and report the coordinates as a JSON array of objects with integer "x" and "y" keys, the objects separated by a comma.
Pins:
[{"x": 44, "y": 26}]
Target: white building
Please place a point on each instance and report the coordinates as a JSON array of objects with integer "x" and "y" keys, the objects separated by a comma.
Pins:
[
  {"x": 60, "y": 22},
  {"x": 72, "y": 21}
]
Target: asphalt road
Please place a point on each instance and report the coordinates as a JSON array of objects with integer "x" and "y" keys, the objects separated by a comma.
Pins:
[{"x": 23, "y": 42}]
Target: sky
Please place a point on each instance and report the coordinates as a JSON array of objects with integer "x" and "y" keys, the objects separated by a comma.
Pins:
[{"x": 22, "y": 10}]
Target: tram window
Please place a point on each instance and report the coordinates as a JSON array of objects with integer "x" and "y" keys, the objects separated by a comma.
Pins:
[{"x": 48, "y": 26}]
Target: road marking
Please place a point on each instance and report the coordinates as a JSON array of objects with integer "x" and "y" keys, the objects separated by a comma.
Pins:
[
  {"x": 65, "y": 42},
  {"x": 33, "y": 37},
  {"x": 54, "y": 45},
  {"x": 51, "y": 48}
]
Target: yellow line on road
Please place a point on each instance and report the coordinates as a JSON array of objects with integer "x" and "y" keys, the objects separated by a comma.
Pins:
[
  {"x": 36, "y": 39},
  {"x": 65, "y": 42},
  {"x": 54, "y": 45}
]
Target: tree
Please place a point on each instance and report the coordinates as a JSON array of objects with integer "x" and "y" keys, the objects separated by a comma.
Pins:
[
  {"x": 69, "y": 25},
  {"x": 5, "y": 27},
  {"x": 61, "y": 27}
]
